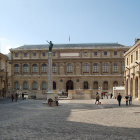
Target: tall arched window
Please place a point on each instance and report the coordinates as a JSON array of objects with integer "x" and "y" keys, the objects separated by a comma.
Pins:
[
  {"x": 105, "y": 85},
  {"x": 69, "y": 67},
  {"x": 95, "y": 85},
  {"x": 44, "y": 87},
  {"x": 16, "y": 68},
  {"x": 16, "y": 85},
  {"x": 54, "y": 68},
  {"x": 25, "y": 85},
  {"x": 115, "y": 84},
  {"x": 34, "y": 68},
  {"x": 34, "y": 85},
  {"x": 95, "y": 67},
  {"x": 44, "y": 68},
  {"x": 115, "y": 67},
  {"x": 105, "y": 67},
  {"x": 86, "y": 67},
  {"x": 25, "y": 68},
  {"x": 54, "y": 85},
  {"x": 85, "y": 85}
]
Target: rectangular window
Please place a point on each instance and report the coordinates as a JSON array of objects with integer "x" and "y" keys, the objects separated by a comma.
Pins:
[
  {"x": 131, "y": 58},
  {"x": 16, "y": 54},
  {"x": 53, "y": 53},
  {"x": 105, "y": 67},
  {"x": 95, "y": 53},
  {"x": 85, "y": 54},
  {"x": 127, "y": 61},
  {"x": 54, "y": 69},
  {"x": 105, "y": 53},
  {"x": 95, "y": 68},
  {"x": 25, "y": 54},
  {"x": 115, "y": 67},
  {"x": 25, "y": 69},
  {"x": 115, "y": 53},
  {"x": 16, "y": 69},
  {"x": 34, "y": 54},
  {"x": 136, "y": 55},
  {"x": 43, "y": 54}
]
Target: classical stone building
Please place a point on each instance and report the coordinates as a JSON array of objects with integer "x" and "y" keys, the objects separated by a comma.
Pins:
[
  {"x": 3, "y": 75},
  {"x": 94, "y": 67},
  {"x": 132, "y": 70}
]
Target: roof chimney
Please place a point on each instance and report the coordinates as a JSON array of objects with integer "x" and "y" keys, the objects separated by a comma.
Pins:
[{"x": 136, "y": 40}]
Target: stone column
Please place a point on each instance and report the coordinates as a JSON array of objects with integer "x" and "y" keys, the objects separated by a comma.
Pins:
[
  {"x": 139, "y": 86},
  {"x": 133, "y": 87},
  {"x": 49, "y": 71}
]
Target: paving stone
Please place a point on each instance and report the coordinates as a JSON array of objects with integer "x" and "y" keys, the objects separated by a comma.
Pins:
[{"x": 72, "y": 120}]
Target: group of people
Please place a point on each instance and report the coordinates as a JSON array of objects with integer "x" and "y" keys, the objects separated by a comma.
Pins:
[
  {"x": 104, "y": 94},
  {"x": 15, "y": 96},
  {"x": 127, "y": 99},
  {"x": 50, "y": 101},
  {"x": 119, "y": 97}
]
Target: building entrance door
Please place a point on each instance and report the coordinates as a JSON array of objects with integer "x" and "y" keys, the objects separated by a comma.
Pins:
[{"x": 69, "y": 85}]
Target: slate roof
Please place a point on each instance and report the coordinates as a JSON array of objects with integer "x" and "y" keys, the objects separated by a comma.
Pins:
[{"x": 68, "y": 46}]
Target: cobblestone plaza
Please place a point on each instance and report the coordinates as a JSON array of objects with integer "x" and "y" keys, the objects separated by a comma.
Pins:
[{"x": 72, "y": 120}]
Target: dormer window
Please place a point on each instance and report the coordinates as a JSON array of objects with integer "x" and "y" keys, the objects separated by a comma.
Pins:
[{"x": 16, "y": 54}]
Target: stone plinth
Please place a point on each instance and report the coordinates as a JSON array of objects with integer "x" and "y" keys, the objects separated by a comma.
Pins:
[
  {"x": 51, "y": 95},
  {"x": 80, "y": 94}
]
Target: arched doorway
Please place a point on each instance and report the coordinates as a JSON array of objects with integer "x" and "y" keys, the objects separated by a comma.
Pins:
[
  {"x": 136, "y": 87},
  {"x": 69, "y": 85}
]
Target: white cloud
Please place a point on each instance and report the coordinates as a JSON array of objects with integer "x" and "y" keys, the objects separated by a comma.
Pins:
[{"x": 6, "y": 44}]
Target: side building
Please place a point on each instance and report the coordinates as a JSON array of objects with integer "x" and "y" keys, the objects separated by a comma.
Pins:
[
  {"x": 95, "y": 67},
  {"x": 132, "y": 70},
  {"x": 3, "y": 75}
]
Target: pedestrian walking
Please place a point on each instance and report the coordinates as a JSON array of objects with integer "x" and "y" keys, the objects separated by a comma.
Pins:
[
  {"x": 16, "y": 96},
  {"x": 97, "y": 98},
  {"x": 56, "y": 101},
  {"x": 111, "y": 96},
  {"x": 119, "y": 97},
  {"x": 126, "y": 99},
  {"x": 12, "y": 97},
  {"x": 130, "y": 99},
  {"x": 22, "y": 96}
]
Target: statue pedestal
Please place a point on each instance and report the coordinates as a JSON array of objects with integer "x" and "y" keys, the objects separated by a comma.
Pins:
[{"x": 52, "y": 95}]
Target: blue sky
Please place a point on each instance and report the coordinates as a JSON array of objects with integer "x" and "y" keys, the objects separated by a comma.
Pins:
[{"x": 86, "y": 21}]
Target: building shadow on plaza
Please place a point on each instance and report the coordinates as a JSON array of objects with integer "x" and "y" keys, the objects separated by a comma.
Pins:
[{"x": 40, "y": 122}]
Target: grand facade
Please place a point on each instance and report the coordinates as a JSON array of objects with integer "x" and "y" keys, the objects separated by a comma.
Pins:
[
  {"x": 132, "y": 70},
  {"x": 97, "y": 67}
]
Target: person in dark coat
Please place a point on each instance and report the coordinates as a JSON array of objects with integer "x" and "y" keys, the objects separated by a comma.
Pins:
[
  {"x": 56, "y": 101},
  {"x": 130, "y": 100},
  {"x": 97, "y": 98},
  {"x": 12, "y": 97},
  {"x": 111, "y": 96},
  {"x": 22, "y": 96},
  {"x": 16, "y": 96},
  {"x": 119, "y": 97},
  {"x": 126, "y": 98}
]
